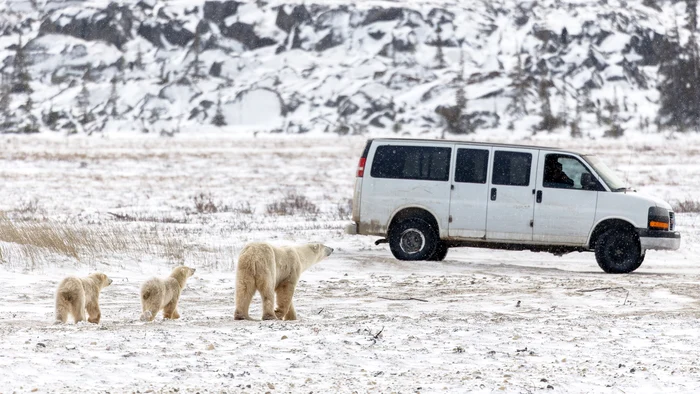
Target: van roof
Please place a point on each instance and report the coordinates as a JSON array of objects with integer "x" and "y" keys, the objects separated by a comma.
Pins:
[{"x": 475, "y": 143}]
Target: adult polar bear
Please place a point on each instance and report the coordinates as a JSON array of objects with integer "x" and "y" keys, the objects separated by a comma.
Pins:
[{"x": 273, "y": 270}]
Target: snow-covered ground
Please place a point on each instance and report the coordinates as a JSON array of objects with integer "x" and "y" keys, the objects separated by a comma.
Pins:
[{"x": 481, "y": 321}]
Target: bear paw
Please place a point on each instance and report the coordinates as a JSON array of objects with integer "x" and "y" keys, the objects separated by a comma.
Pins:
[{"x": 146, "y": 316}]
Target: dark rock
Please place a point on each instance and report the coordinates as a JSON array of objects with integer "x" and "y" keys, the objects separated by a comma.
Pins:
[
  {"x": 347, "y": 107},
  {"x": 151, "y": 32},
  {"x": 327, "y": 42},
  {"x": 377, "y": 35},
  {"x": 218, "y": 11},
  {"x": 377, "y": 121},
  {"x": 544, "y": 34},
  {"x": 177, "y": 35},
  {"x": 112, "y": 25},
  {"x": 593, "y": 61},
  {"x": 405, "y": 45},
  {"x": 215, "y": 70},
  {"x": 294, "y": 102},
  {"x": 382, "y": 14},
  {"x": 144, "y": 5},
  {"x": 413, "y": 18},
  {"x": 521, "y": 20},
  {"x": 298, "y": 16},
  {"x": 245, "y": 34},
  {"x": 438, "y": 16},
  {"x": 650, "y": 46}
]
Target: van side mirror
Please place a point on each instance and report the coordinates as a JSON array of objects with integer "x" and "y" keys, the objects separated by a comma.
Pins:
[{"x": 588, "y": 182}]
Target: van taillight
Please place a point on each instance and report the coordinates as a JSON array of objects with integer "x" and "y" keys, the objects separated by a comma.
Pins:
[{"x": 361, "y": 167}]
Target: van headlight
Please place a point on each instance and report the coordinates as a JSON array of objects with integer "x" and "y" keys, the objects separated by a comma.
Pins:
[{"x": 659, "y": 219}]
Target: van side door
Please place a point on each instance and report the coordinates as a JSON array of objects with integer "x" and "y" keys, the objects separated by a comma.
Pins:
[
  {"x": 470, "y": 188},
  {"x": 565, "y": 201},
  {"x": 511, "y": 196}
]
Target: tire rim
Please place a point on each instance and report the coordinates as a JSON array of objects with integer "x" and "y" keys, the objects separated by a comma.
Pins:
[{"x": 412, "y": 241}]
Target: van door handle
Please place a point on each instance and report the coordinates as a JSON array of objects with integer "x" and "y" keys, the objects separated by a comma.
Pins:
[
  {"x": 493, "y": 194},
  {"x": 539, "y": 196}
]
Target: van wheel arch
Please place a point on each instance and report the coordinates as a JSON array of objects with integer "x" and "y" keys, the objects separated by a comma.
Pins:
[
  {"x": 420, "y": 213},
  {"x": 606, "y": 225}
]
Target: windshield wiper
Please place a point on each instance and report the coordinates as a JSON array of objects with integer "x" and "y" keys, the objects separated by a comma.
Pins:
[{"x": 623, "y": 189}]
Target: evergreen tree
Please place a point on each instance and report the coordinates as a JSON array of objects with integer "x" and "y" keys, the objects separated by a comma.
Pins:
[
  {"x": 691, "y": 7},
  {"x": 21, "y": 77},
  {"x": 219, "y": 119},
  {"x": 612, "y": 119},
  {"x": 84, "y": 104},
  {"x": 139, "y": 59},
  {"x": 30, "y": 122},
  {"x": 463, "y": 124},
  {"x": 679, "y": 90},
  {"x": 6, "y": 118},
  {"x": 521, "y": 84},
  {"x": 549, "y": 121},
  {"x": 563, "y": 111},
  {"x": 113, "y": 97},
  {"x": 196, "y": 48},
  {"x": 439, "y": 54},
  {"x": 575, "y": 124}
]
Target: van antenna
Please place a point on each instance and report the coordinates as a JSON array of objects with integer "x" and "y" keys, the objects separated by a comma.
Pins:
[{"x": 627, "y": 171}]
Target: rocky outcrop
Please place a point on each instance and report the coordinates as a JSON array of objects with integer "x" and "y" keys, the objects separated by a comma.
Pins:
[{"x": 112, "y": 24}]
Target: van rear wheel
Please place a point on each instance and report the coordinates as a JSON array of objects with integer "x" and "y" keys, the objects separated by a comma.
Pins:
[
  {"x": 413, "y": 239},
  {"x": 618, "y": 251},
  {"x": 440, "y": 252}
]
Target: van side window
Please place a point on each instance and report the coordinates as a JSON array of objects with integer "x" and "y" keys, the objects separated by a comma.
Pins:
[
  {"x": 411, "y": 162},
  {"x": 511, "y": 168},
  {"x": 472, "y": 165},
  {"x": 567, "y": 172}
]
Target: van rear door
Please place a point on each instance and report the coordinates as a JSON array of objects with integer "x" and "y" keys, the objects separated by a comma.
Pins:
[{"x": 405, "y": 175}]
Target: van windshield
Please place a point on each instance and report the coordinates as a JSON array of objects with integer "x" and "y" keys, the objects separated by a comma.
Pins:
[{"x": 606, "y": 174}]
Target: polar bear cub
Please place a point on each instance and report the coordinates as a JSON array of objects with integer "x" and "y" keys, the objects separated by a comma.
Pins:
[
  {"x": 157, "y": 294},
  {"x": 273, "y": 271},
  {"x": 76, "y": 295}
]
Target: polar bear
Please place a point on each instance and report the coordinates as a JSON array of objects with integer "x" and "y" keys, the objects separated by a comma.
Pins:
[
  {"x": 157, "y": 294},
  {"x": 273, "y": 270},
  {"x": 74, "y": 295}
]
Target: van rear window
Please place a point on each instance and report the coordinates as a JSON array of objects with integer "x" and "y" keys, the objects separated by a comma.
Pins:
[{"x": 411, "y": 162}]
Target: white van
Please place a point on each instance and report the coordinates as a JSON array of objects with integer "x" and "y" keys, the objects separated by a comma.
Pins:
[{"x": 425, "y": 196}]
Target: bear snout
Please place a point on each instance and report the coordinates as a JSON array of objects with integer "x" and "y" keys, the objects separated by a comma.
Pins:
[
  {"x": 109, "y": 282},
  {"x": 328, "y": 251}
]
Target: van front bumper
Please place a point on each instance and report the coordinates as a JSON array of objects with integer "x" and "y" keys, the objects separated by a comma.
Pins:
[
  {"x": 659, "y": 240},
  {"x": 351, "y": 229}
]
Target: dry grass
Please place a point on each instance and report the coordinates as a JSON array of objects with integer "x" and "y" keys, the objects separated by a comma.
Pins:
[
  {"x": 686, "y": 205},
  {"x": 293, "y": 204},
  {"x": 27, "y": 244}
]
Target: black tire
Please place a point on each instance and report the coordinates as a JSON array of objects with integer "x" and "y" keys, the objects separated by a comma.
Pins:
[
  {"x": 440, "y": 252},
  {"x": 413, "y": 239},
  {"x": 618, "y": 251}
]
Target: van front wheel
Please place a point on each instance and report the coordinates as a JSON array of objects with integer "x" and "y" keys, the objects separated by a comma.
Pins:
[
  {"x": 618, "y": 251},
  {"x": 412, "y": 239}
]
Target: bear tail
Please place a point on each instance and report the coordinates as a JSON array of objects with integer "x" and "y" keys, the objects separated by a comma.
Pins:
[
  {"x": 66, "y": 296},
  {"x": 146, "y": 316}
]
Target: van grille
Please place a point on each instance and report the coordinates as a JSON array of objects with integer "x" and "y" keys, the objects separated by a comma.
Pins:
[{"x": 671, "y": 221}]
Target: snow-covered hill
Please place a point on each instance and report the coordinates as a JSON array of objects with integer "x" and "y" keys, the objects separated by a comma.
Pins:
[{"x": 334, "y": 66}]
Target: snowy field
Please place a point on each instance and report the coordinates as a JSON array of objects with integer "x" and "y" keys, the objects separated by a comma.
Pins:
[{"x": 481, "y": 321}]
